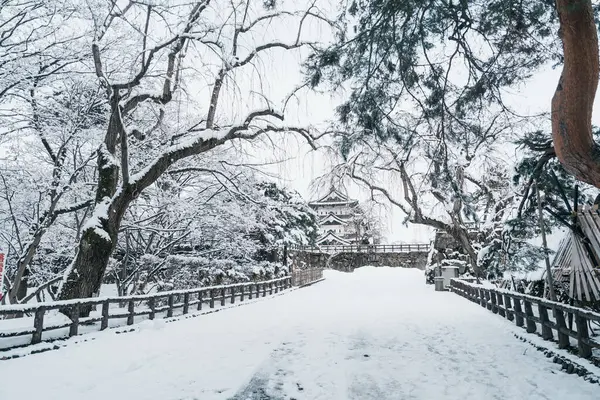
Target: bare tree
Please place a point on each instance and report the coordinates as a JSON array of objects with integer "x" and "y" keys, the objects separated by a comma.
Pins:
[{"x": 145, "y": 82}]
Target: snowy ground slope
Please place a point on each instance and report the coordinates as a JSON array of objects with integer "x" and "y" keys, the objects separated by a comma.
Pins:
[{"x": 377, "y": 333}]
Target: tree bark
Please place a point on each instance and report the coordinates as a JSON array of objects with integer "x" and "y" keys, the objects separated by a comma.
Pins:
[{"x": 574, "y": 97}]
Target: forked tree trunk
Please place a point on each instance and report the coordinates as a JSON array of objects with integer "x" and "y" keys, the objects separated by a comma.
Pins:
[{"x": 574, "y": 97}]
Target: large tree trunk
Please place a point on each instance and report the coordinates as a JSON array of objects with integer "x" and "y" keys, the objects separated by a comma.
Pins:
[{"x": 574, "y": 97}]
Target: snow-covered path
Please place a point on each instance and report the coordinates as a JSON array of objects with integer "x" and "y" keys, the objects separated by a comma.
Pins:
[{"x": 377, "y": 333}]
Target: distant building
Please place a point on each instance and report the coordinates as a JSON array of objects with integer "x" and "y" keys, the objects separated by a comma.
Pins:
[{"x": 337, "y": 216}]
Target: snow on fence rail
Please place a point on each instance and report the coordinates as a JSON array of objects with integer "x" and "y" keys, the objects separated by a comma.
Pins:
[
  {"x": 35, "y": 321},
  {"x": 519, "y": 307},
  {"x": 367, "y": 248}
]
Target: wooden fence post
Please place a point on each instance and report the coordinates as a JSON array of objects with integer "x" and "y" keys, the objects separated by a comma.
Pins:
[
  {"x": 74, "y": 320},
  {"x": 501, "y": 309},
  {"x": 583, "y": 336},
  {"x": 200, "y": 299},
  {"x": 38, "y": 324},
  {"x": 257, "y": 290},
  {"x": 152, "y": 305},
  {"x": 264, "y": 286},
  {"x": 131, "y": 311},
  {"x": 545, "y": 321},
  {"x": 277, "y": 286},
  {"x": 518, "y": 312},
  {"x": 510, "y": 315},
  {"x": 494, "y": 306},
  {"x": 223, "y": 295},
  {"x": 104, "y": 322},
  {"x": 270, "y": 288},
  {"x": 250, "y": 291},
  {"x": 171, "y": 301},
  {"x": 212, "y": 298},
  {"x": 488, "y": 300},
  {"x": 242, "y": 292},
  {"x": 482, "y": 298},
  {"x": 531, "y": 326},
  {"x": 186, "y": 302},
  {"x": 232, "y": 295},
  {"x": 561, "y": 326}
]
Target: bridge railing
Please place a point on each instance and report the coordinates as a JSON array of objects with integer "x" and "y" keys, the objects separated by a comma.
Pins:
[
  {"x": 43, "y": 321},
  {"x": 302, "y": 277},
  {"x": 366, "y": 248},
  {"x": 532, "y": 313}
]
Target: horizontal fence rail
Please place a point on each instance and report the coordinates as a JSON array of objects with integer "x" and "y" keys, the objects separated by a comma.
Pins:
[
  {"x": 374, "y": 248},
  {"x": 532, "y": 312},
  {"x": 301, "y": 277},
  {"x": 22, "y": 325}
]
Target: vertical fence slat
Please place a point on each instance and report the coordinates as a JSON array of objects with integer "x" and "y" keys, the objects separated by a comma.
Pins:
[
  {"x": 545, "y": 320},
  {"x": 250, "y": 291},
  {"x": 171, "y": 300},
  {"x": 105, "y": 308},
  {"x": 186, "y": 303},
  {"x": 38, "y": 324},
  {"x": 482, "y": 298},
  {"x": 223, "y": 295},
  {"x": 152, "y": 306},
  {"x": 264, "y": 287},
  {"x": 531, "y": 326},
  {"x": 232, "y": 295},
  {"x": 131, "y": 311},
  {"x": 75, "y": 308},
  {"x": 518, "y": 312},
  {"x": 242, "y": 292},
  {"x": 212, "y": 298},
  {"x": 563, "y": 338},
  {"x": 200, "y": 299},
  {"x": 494, "y": 305},
  {"x": 510, "y": 315},
  {"x": 583, "y": 348},
  {"x": 501, "y": 308},
  {"x": 270, "y": 288}
]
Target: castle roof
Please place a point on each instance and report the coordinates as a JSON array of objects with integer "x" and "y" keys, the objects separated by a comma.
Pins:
[
  {"x": 330, "y": 237},
  {"x": 334, "y": 197}
]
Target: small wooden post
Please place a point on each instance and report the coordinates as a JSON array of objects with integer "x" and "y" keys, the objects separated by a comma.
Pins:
[
  {"x": 264, "y": 289},
  {"x": 583, "y": 336},
  {"x": 131, "y": 310},
  {"x": 545, "y": 321},
  {"x": 563, "y": 338},
  {"x": 186, "y": 302},
  {"x": 74, "y": 320},
  {"x": 494, "y": 303},
  {"x": 531, "y": 326},
  {"x": 510, "y": 315},
  {"x": 270, "y": 288},
  {"x": 200, "y": 299},
  {"x": 152, "y": 305},
  {"x": 250, "y": 292},
  {"x": 223, "y": 295},
  {"x": 518, "y": 312},
  {"x": 212, "y": 298},
  {"x": 277, "y": 286},
  {"x": 233, "y": 294},
  {"x": 257, "y": 290},
  {"x": 38, "y": 324},
  {"x": 104, "y": 322},
  {"x": 501, "y": 309},
  {"x": 482, "y": 298},
  {"x": 171, "y": 301}
]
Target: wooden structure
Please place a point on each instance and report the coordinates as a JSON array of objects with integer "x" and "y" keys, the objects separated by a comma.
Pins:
[
  {"x": 532, "y": 313},
  {"x": 575, "y": 265},
  {"x": 126, "y": 310},
  {"x": 336, "y": 213},
  {"x": 366, "y": 248}
]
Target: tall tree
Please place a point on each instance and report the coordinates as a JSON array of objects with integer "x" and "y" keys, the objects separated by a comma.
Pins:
[{"x": 145, "y": 56}]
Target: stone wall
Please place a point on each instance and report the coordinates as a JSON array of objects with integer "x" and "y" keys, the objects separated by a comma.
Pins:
[{"x": 350, "y": 261}]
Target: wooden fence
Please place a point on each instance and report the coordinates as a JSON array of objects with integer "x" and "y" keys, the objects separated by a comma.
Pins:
[
  {"x": 130, "y": 309},
  {"x": 374, "y": 248},
  {"x": 301, "y": 277},
  {"x": 532, "y": 312}
]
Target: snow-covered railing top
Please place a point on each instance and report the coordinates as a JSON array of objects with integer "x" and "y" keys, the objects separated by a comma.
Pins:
[
  {"x": 366, "y": 248},
  {"x": 519, "y": 307},
  {"x": 55, "y": 305}
]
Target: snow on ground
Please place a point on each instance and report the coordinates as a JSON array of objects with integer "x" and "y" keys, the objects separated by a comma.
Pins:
[{"x": 377, "y": 333}]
